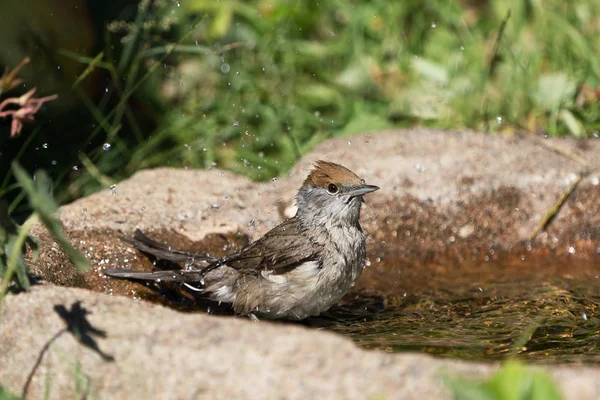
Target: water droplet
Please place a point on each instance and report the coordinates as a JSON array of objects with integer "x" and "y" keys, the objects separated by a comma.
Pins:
[
  {"x": 106, "y": 146},
  {"x": 225, "y": 68}
]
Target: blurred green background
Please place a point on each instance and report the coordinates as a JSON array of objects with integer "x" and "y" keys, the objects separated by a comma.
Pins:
[{"x": 250, "y": 86}]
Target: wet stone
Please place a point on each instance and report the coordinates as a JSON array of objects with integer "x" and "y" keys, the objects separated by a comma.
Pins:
[
  {"x": 452, "y": 271},
  {"x": 467, "y": 206}
]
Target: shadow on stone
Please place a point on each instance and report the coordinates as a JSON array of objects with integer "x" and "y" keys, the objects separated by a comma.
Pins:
[{"x": 80, "y": 328}]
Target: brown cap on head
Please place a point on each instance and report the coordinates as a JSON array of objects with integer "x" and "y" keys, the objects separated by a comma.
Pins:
[{"x": 326, "y": 172}]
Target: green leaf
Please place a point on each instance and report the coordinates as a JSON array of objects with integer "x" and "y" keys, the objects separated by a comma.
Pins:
[
  {"x": 42, "y": 202},
  {"x": 20, "y": 269},
  {"x": 364, "y": 122},
  {"x": 430, "y": 70},
  {"x": 573, "y": 124},
  {"x": 511, "y": 382},
  {"x": 356, "y": 77},
  {"x": 554, "y": 91},
  {"x": 89, "y": 69},
  {"x": 316, "y": 95}
]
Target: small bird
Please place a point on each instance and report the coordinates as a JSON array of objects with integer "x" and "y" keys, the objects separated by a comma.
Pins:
[{"x": 298, "y": 269}]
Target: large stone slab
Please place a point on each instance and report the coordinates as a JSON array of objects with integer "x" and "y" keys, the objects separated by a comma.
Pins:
[
  {"x": 445, "y": 196},
  {"x": 62, "y": 343}
]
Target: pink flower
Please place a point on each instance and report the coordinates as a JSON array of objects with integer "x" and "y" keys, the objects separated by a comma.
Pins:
[{"x": 28, "y": 106}]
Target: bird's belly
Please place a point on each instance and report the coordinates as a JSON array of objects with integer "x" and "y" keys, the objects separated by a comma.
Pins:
[{"x": 306, "y": 291}]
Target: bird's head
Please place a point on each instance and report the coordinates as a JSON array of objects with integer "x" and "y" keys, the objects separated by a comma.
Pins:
[{"x": 333, "y": 193}]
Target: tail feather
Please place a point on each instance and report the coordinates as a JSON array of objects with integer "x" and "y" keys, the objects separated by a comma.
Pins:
[
  {"x": 162, "y": 252},
  {"x": 188, "y": 276}
]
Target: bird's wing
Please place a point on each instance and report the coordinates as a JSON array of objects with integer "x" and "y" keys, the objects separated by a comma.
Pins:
[
  {"x": 162, "y": 252},
  {"x": 281, "y": 250}
]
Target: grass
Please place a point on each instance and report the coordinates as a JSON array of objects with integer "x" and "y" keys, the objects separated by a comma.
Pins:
[{"x": 252, "y": 86}]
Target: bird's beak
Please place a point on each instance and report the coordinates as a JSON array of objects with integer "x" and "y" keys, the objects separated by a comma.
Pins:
[{"x": 362, "y": 189}]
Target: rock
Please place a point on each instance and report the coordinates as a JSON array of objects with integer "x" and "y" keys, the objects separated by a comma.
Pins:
[
  {"x": 445, "y": 196},
  {"x": 73, "y": 343}
]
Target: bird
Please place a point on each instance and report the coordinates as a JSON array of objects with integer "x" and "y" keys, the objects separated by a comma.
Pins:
[{"x": 298, "y": 269}]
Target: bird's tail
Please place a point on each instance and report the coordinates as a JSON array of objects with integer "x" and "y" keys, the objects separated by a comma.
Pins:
[
  {"x": 162, "y": 252},
  {"x": 188, "y": 276}
]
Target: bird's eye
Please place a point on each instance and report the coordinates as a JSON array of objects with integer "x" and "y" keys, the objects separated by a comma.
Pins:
[{"x": 332, "y": 188}]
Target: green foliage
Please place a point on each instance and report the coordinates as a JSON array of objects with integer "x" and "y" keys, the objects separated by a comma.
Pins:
[
  {"x": 40, "y": 198},
  {"x": 6, "y": 395},
  {"x": 256, "y": 84},
  {"x": 13, "y": 242},
  {"x": 14, "y": 239},
  {"x": 511, "y": 382},
  {"x": 251, "y": 86}
]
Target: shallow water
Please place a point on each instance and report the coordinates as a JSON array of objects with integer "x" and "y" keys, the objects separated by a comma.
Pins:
[{"x": 537, "y": 310}]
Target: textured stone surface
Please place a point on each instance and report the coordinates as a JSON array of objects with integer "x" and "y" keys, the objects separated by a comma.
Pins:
[
  {"x": 444, "y": 196},
  {"x": 139, "y": 350}
]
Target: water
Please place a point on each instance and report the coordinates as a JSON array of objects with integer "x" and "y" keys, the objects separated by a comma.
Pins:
[
  {"x": 540, "y": 308},
  {"x": 540, "y": 311}
]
